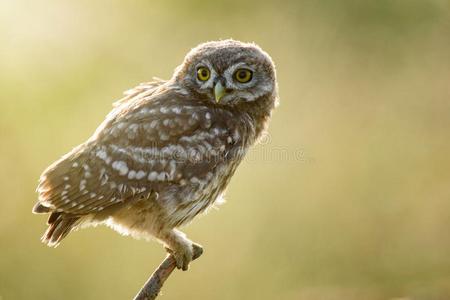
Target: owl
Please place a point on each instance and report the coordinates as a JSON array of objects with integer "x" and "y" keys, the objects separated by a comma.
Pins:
[{"x": 167, "y": 150}]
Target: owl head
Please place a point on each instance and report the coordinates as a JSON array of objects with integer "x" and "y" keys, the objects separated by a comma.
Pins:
[{"x": 227, "y": 72}]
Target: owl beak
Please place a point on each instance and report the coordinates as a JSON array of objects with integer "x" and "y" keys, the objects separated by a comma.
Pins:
[{"x": 219, "y": 91}]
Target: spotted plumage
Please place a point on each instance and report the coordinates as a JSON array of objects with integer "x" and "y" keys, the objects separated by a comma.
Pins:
[{"x": 166, "y": 151}]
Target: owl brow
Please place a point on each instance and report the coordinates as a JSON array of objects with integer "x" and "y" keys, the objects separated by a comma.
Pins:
[{"x": 205, "y": 63}]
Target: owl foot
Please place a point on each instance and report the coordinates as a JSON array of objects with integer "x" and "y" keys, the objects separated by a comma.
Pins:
[
  {"x": 184, "y": 255},
  {"x": 181, "y": 248}
]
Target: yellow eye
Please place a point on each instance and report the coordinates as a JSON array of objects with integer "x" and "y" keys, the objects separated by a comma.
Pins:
[
  {"x": 243, "y": 75},
  {"x": 203, "y": 73}
]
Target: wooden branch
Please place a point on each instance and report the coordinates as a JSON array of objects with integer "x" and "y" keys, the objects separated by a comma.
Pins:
[{"x": 152, "y": 287}]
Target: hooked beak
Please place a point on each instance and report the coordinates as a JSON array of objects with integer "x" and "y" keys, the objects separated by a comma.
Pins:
[{"x": 219, "y": 91}]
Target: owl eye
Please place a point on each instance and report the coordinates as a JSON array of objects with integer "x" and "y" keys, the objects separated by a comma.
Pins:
[
  {"x": 243, "y": 75},
  {"x": 203, "y": 73}
]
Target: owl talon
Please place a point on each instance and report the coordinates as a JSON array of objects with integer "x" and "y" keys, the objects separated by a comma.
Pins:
[{"x": 183, "y": 257}]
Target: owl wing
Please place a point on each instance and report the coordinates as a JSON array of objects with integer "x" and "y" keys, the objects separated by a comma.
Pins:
[{"x": 144, "y": 146}]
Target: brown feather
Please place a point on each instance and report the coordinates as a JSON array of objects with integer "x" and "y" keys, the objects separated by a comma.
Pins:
[
  {"x": 40, "y": 209},
  {"x": 60, "y": 225}
]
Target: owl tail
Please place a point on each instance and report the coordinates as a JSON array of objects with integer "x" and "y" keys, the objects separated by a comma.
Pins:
[{"x": 60, "y": 224}]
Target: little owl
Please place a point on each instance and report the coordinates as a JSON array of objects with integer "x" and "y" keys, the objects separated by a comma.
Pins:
[{"x": 166, "y": 151}]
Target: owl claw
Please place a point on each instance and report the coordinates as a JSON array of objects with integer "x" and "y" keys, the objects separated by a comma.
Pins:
[{"x": 184, "y": 255}]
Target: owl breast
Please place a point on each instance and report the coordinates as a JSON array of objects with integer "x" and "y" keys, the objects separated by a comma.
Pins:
[{"x": 203, "y": 192}]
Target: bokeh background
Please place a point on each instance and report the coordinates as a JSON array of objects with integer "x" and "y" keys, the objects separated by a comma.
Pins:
[{"x": 348, "y": 197}]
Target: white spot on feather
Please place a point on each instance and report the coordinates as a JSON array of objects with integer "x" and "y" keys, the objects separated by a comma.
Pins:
[
  {"x": 141, "y": 174},
  {"x": 162, "y": 176},
  {"x": 152, "y": 176},
  {"x": 82, "y": 184},
  {"x": 131, "y": 174},
  {"x": 176, "y": 110},
  {"x": 153, "y": 123},
  {"x": 120, "y": 166},
  {"x": 101, "y": 154}
]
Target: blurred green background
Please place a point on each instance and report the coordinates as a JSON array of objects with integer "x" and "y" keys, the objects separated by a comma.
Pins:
[{"x": 347, "y": 198}]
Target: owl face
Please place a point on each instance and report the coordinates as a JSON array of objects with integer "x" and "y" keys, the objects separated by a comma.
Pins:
[{"x": 227, "y": 72}]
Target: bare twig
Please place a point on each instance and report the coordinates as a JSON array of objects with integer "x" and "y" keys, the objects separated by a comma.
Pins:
[{"x": 152, "y": 287}]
